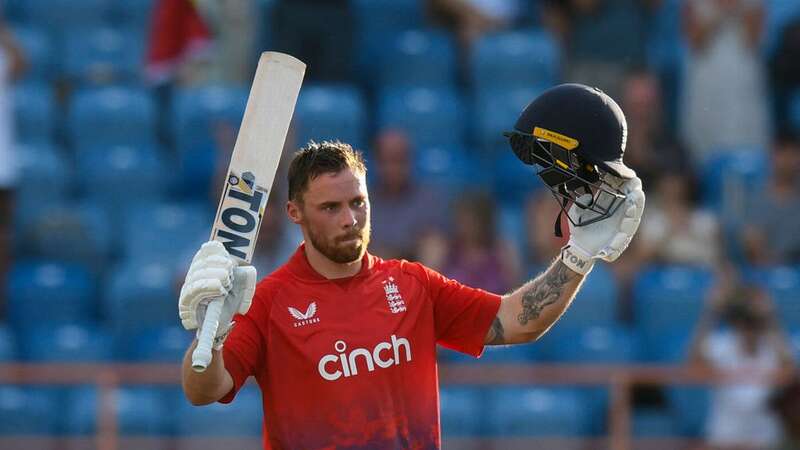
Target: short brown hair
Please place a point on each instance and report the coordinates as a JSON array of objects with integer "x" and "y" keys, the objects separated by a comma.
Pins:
[{"x": 317, "y": 158}]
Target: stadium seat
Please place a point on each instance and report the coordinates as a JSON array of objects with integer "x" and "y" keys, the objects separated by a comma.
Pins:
[
  {"x": 8, "y": 344},
  {"x": 329, "y": 112},
  {"x": 141, "y": 411},
  {"x": 461, "y": 409},
  {"x": 34, "y": 113},
  {"x": 512, "y": 181},
  {"x": 377, "y": 21},
  {"x": 103, "y": 55},
  {"x": 419, "y": 58},
  {"x": 61, "y": 17},
  {"x": 653, "y": 422},
  {"x": 496, "y": 110},
  {"x": 133, "y": 15},
  {"x": 165, "y": 344},
  {"x": 69, "y": 232},
  {"x": 667, "y": 301},
  {"x": 690, "y": 406},
  {"x": 605, "y": 344},
  {"x": 432, "y": 117},
  {"x": 172, "y": 231},
  {"x": 451, "y": 168},
  {"x": 240, "y": 418},
  {"x": 38, "y": 48},
  {"x": 41, "y": 291},
  {"x": 536, "y": 411},
  {"x": 28, "y": 411},
  {"x": 111, "y": 116},
  {"x": 140, "y": 295},
  {"x": 66, "y": 343},
  {"x": 596, "y": 302},
  {"x": 729, "y": 176},
  {"x": 783, "y": 285},
  {"x": 200, "y": 114},
  {"x": 45, "y": 180},
  {"x": 121, "y": 176},
  {"x": 513, "y": 354},
  {"x": 512, "y": 59}
]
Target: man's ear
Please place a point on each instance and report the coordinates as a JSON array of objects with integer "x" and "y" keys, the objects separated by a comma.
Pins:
[{"x": 294, "y": 211}]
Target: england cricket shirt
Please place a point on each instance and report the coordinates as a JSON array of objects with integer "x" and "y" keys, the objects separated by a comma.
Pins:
[{"x": 351, "y": 363}]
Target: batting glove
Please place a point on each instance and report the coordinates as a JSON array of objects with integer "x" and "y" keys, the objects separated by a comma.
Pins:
[{"x": 605, "y": 239}]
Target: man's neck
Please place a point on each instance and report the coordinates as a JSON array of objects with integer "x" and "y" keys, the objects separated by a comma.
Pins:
[{"x": 330, "y": 269}]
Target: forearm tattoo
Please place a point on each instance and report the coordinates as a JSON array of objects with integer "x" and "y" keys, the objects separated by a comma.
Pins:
[
  {"x": 496, "y": 333},
  {"x": 544, "y": 292}
]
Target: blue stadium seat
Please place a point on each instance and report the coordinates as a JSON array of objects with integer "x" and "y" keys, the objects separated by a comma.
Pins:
[
  {"x": 328, "y": 112},
  {"x": 34, "y": 113},
  {"x": 67, "y": 343},
  {"x": 161, "y": 344},
  {"x": 112, "y": 116},
  {"x": 28, "y": 411},
  {"x": 419, "y": 58},
  {"x": 70, "y": 232},
  {"x": 121, "y": 176},
  {"x": 729, "y": 176},
  {"x": 133, "y": 15},
  {"x": 141, "y": 411},
  {"x": 511, "y": 354},
  {"x": 103, "y": 55},
  {"x": 451, "y": 168},
  {"x": 240, "y": 418},
  {"x": 496, "y": 110},
  {"x": 461, "y": 409},
  {"x": 62, "y": 17},
  {"x": 596, "y": 302},
  {"x": 609, "y": 344},
  {"x": 783, "y": 285},
  {"x": 140, "y": 295},
  {"x": 690, "y": 406},
  {"x": 432, "y": 117},
  {"x": 39, "y": 52},
  {"x": 45, "y": 180},
  {"x": 172, "y": 232},
  {"x": 377, "y": 22},
  {"x": 8, "y": 344},
  {"x": 536, "y": 411},
  {"x": 49, "y": 292},
  {"x": 653, "y": 422},
  {"x": 198, "y": 113},
  {"x": 515, "y": 59},
  {"x": 512, "y": 181}
]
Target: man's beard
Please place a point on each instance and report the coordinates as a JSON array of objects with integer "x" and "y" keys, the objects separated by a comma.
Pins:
[{"x": 335, "y": 251}]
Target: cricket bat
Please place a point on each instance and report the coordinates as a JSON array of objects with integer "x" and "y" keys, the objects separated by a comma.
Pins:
[{"x": 251, "y": 172}]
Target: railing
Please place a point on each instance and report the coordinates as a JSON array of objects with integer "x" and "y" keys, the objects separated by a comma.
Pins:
[{"x": 619, "y": 380}]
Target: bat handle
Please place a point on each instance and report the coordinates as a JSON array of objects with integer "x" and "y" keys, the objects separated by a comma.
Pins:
[{"x": 201, "y": 357}]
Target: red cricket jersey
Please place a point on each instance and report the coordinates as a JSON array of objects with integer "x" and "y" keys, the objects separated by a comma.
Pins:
[{"x": 351, "y": 363}]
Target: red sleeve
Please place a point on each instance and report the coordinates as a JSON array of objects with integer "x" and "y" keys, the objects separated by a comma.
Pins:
[
  {"x": 244, "y": 350},
  {"x": 462, "y": 314}
]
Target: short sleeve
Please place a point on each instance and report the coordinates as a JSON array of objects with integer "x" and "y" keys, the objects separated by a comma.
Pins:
[
  {"x": 244, "y": 350},
  {"x": 462, "y": 314}
]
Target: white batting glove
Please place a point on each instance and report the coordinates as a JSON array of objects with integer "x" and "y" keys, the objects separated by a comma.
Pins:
[
  {"x": 608, "y": 238},
  {"x": 212, "y": 275}
]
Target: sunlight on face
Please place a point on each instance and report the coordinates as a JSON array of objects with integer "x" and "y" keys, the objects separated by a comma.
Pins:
[{"x": 335, "y": 215}]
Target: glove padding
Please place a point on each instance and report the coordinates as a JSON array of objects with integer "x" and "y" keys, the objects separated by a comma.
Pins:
[
  {"x": 605, "y": 239},
  {"x": 213, "y": 274}
]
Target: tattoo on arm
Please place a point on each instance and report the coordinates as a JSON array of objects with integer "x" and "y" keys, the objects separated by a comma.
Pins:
[
  {"x": 496, "y": 333},
  {"x": 544, "y": 292}
]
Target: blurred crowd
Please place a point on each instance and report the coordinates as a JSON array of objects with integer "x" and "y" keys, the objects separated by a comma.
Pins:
[{"x": 711, "y": 92}]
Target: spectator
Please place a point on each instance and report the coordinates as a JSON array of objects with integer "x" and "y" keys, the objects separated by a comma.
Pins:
[
  {"x": 651, "y": 148},
  {"x": 476, "y": 255},
  {"x": 402, "y": 208},
  {"x": 674, "y": 231},
  {"x": 724, "y": 104},
  {"x": 785, "y": 73},
  {"x": 751, "y": 345},
  {"x": 770, "y": 235},
  {"x": 319, "y": 32}
]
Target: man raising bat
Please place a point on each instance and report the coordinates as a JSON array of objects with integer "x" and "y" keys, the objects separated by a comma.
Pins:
[{"x": 343, "y": 344}]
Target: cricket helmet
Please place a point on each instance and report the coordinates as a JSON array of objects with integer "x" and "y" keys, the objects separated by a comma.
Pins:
[{"x": 576, "y": 135}]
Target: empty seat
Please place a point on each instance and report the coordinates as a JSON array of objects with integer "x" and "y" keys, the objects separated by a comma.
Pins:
[
  {"x": 496, "y": 111},
  {"x": 330, "y": 112},
  {"x": 419, "y": 58},
  {"x": 141, "y": 411},
  {"x": 536, "y": 411},
  {"x": 112, "y": 116},
  {"x": 690, "y": 406},
  {"x": 515, "y": 59},
  {"x": 61, "y": 17},
  {"x": 512, "y": 181},
  {"x": 240, "y": 418},
  {"x": 611, "y": 344},
  {"x": 461, "y": 409},
  {"x": 730, "y": 176},
  {"x": 451, "y": 168},
  {"x": 166, "y": 232},
  {"x": 28, "y": 411},
  {"x": 165, "y": 344},
  {"x": 34, "y": 113},
  {"x": 431, "y": 117},
  {"x": 8, "y": 344},
  {"x": 103, "y": 55},
  {"x": 67, "y": 343},
  {"x": 133, "y": 15},
  {"x": 653, "y": 422},
  {"x": 140, "y": 295},
  {"x": 377, "y": 22},
  {"x": 39, "y": 52},
  {"x": 47, "y": 182},
  {"x": 783, "y": 285},
  {"x": 50, "y": 292},
  {"x": 596, "y": 302},
  {"x": 200, "y": 114}
]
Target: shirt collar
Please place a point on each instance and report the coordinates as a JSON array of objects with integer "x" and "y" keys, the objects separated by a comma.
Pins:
[{"x": 298, "y": 264}]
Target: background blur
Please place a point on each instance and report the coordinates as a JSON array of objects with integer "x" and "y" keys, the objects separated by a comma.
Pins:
[{"x": 117, "y": 118}]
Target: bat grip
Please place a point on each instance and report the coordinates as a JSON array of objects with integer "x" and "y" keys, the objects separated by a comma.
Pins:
[{"x": 201, "y": 357}]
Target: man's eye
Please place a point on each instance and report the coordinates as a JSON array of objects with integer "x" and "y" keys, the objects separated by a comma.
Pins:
[{"x": 359, "y": 203}]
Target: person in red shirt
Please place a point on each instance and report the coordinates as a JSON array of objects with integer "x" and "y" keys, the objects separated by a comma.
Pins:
[{"x": 342, "y": 343}]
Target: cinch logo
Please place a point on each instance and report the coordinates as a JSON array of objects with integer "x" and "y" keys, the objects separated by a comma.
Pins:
[
  {"x": 305, "y": 318},
  {"x": 385, "y": 354}
]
